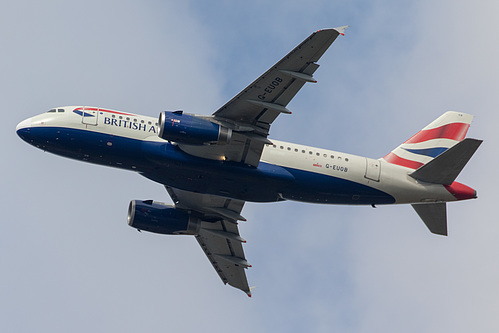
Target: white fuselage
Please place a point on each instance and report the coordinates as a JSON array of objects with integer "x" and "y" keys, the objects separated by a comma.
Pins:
[{"x": 98, "y": 138}]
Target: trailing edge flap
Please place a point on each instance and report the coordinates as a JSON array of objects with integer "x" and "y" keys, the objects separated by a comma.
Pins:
[
  {"x": 434, "y": 215},
  {"x": 445, "y": 168}
]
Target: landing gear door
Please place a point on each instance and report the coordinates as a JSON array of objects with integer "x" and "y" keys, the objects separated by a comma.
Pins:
[
  {"x": 373, "y": 169},
  {"x": 89, "y": 116}
]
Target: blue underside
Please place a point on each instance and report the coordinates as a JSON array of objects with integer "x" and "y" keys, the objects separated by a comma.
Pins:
[{"x": 168, "y": 165}]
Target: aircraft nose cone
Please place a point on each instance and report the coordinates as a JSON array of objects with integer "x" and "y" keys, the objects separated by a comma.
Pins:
[
  {"x": 23, "y": 129},
  {"x": 23, "y": 124}
]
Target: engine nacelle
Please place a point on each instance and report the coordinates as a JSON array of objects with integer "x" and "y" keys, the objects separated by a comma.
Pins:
[
  {"x": 161, "y": 218},
  {"x": 190, "y": 129}
]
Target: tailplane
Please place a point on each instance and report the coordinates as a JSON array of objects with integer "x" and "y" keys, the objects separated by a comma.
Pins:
[
  {"x": 434, "y": 215},
  {"x": 445, "y": 168}
]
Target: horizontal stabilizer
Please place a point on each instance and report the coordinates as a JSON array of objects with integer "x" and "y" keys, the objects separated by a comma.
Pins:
[
  {"x": 445, "y": 168},
  {"x": 434, "y": 215}
]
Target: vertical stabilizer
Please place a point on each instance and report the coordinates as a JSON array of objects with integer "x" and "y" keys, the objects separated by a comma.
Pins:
[{"x": 436, "y": 138}]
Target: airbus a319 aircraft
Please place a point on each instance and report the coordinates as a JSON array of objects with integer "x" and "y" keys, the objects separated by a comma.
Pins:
[{"x": 212, "y": 165}]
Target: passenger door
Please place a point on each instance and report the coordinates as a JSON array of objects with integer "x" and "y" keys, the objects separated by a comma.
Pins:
[{"x": 90, "y": 115}]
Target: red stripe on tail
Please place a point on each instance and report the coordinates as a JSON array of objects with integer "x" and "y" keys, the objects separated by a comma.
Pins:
[
  {"x": 394, "y": 159},
  {"x": 454, "y": 131}
]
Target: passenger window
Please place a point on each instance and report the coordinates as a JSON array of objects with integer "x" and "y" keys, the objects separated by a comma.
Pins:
[
  {"x": 303, "y": 151},
  {"x": 296, "y": 150},
  {"x": 325, "y": 155},
  {"x": 310, "y": 152},
  {"x": 318, "y": 154},
  {"x": 346, "y": 159},
  {"x": 134, "y": 120},
  {"x": 289, "y": 148},
  {"x": 281, "y": 147},
  {"x": 332, "y": 156}
]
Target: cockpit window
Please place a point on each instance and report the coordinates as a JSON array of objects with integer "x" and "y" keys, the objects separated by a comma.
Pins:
[
  {"x": 60, "y": 110},
  {"x": 51, "y": 110}
]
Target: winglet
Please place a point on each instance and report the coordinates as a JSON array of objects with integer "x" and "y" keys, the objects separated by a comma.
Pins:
[
  {"x": 250, "y": 290},
  {"x": 341, "y": 30}
]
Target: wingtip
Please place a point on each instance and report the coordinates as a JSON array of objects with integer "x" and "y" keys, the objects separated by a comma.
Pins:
[
  {"x": 341, "y": 30},
  {"x": 249, "y": 291}
]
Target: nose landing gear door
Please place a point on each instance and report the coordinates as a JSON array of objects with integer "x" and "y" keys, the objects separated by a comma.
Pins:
[{"x": 89, "y": 116}]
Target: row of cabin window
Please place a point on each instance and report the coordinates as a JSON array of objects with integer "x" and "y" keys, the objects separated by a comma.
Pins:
[
  {"x": 310, "y": 152},
  {"x": 134, "y": 119}
]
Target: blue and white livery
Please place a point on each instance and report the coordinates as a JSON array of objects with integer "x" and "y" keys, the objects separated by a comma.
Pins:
[{"x": 212, "y": 165}]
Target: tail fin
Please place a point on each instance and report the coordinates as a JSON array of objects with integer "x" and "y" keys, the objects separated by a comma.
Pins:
[
  {"x": 438, "y": 153},
  {"x": 436, "y": 138}
]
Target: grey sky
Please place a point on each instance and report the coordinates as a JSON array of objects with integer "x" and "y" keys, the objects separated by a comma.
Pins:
[{"x": 68, "y": 260}]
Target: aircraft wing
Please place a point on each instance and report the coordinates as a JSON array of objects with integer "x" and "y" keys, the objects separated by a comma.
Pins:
[
  {"x": 251, "y": 112},
  {"x": 219, "y": 235}
]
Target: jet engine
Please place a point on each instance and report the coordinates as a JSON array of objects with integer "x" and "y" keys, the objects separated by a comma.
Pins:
[
  {"x": 161, "y": 218},
  {"x": 190, "y": 129}
]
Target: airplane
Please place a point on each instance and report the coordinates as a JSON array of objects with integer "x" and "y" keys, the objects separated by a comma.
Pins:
[{"x": 211, "y": 165}]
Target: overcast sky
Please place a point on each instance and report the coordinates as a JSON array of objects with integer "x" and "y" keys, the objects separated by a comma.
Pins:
[{"x": 69, "y": 261}]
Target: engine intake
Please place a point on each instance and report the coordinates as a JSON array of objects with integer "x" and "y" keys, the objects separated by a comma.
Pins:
[
  {"x": 191, "y": 129},
  {"x": 160, "y": 218}
]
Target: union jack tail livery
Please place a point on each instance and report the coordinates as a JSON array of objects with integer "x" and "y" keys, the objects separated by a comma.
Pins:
[
  {"x": 436, "y": 138},
  {"x": 438, "y": 153}
]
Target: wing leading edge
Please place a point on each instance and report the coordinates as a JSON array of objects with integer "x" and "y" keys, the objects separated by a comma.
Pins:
[
  {"x": 251, "y": 112},
  {"x": 264, "y": 99}
]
